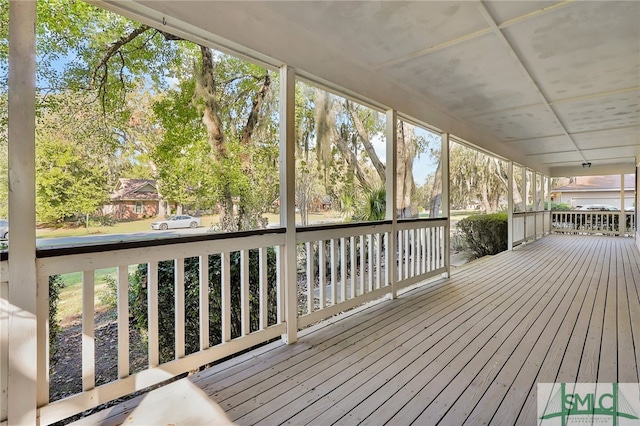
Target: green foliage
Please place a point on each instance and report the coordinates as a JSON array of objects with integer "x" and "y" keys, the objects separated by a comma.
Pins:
[
  {"x": 166, "y": 302},
  {"x": 485, "y": 234},
  {"x": 56, "y": 283},
  {"x": 66, "y": 183},
  {"x": 476, "y": 176},
  {"x": 372, "y": 207},
  {"x": 558, "y": 206}
]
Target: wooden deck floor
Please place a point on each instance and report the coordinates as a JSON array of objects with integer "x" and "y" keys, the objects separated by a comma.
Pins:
[{"x": 468, "y": 350}]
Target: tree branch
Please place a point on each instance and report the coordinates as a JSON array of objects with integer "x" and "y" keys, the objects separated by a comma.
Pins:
[
  {"x": 252, "y": 120},
  {"x": 114, "y": 49}
]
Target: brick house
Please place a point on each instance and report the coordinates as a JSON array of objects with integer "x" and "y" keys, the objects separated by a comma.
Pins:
[{"x": 133, "y": 199}]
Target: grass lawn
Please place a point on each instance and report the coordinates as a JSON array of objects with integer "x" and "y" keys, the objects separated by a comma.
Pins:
[
  {"x": 144, "y": 225},
  {"x": 70, "y": 302}
]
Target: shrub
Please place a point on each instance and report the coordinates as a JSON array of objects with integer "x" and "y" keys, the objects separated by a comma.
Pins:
[
  {"x": 56, "y": 284},
  {"x": 485, "y": 234},
  {"x": 166, "y": 305},
  {"x": 558, "y": 206}
]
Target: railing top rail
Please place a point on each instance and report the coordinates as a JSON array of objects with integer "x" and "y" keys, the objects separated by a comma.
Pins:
[
  {"x": 332, "y": 226},
  {"x": 42, "y": 253},
  {"x": 593, "y": 211},
  {"x": 423, "y": 219}
]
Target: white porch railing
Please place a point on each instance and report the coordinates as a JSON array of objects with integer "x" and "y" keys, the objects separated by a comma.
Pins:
[
  {"x": 4, "y": 338},
  {"x": 592, "y": 222},
  {"x": 246, "y": 244},
  {"x": 339, "y": 267},
  {"x": 527, "y": 226},
  {"x": 346, "y": 265}
]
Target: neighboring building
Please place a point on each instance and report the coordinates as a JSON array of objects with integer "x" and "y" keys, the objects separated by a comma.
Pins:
[
  {"x": 133, "y": 199},
  {"x": 583, "y": 190}
]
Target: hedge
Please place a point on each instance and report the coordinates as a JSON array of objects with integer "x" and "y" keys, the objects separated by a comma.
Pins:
[{"x": 485, "y": 234}]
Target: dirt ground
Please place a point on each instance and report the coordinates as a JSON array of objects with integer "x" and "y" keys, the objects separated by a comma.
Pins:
[{"x": 66, "y": 371}]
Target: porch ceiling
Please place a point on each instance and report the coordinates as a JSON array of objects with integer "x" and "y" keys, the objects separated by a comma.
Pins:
[{"x": 548, "y": 84}]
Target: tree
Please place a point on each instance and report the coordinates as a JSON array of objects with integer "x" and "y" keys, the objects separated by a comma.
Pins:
[
  {"x": 66, "y": 183},
  {"x": 475, "y": 176},
  {"x": 122, "y": 68}
]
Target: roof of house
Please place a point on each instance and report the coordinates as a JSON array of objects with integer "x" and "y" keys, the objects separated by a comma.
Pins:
[
  {"x": 595, "y": 183},
  {"x": 135, "y": 190}
]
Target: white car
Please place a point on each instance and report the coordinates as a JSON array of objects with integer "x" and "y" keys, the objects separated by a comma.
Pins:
[
  {"x": 4, "y": 229},
  {"x": 178, "y": 221}
]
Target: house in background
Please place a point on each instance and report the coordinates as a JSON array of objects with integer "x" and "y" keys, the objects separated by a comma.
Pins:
[
  {"x": 583, "y": 190},
  {"x": 133, "y": 199}
]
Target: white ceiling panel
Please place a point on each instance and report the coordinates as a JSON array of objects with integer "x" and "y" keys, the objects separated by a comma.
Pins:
[
  {"x": 610, "y": 138},
  {"x": 380, "y": 31},
  {"x": 520, "y": 123},
  {"x": 505, "y": 10},
  {"x": 558, "y": 157},
  {"x": 577, "y": 50},
  {"x": 544, "y": 145},
  {"x": 602, "y": 112},
  {"x": 470, "y": 78},
  {"x": 598, "y": 154}
]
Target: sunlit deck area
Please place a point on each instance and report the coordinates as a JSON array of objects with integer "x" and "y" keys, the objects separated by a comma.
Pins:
[{"x": 464, "y": 350}]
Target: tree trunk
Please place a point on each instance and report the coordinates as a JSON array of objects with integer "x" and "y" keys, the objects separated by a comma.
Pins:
[
  {"x": 436, "y": 194},
  {"x": 366, "y": 142},
  {"x": 406, "y": 152}
]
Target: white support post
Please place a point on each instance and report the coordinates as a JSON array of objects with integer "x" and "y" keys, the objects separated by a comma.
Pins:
[
  {"x": 446, "y": 203},
  {"x": 287, "y": 198},
  {"x": 622, "y": 220},
  {"x": 535, "y": 205},
  {"x": 549, "y": 215},
  {"x": 525, "y": 200},
  {"x": 391, "y": 189},
  {"x": 23, "y": 318},
  {"x": 510, "y": 205}
]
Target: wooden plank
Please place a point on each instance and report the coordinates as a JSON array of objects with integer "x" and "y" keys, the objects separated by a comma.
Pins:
[
  {"x": 362, "y": 264},
  {"x": 512, "y": 391},
  {"x": 378, "y": 262},
  {"x": 152, "y": 313},
  {"x": 123, "y": 321},
  {"x": 343, "y": 269},
  {"x": 322, "y": 280},
  {"x": 334, "y": 272},
  {"x": 445, "y": 292},
  {"x": 203, "y": 286},
  {"x": 444, "y": 331},
  {"x": 245, "y": 314},
  {"x": 225, "y": 273},
  {"x": 311, "y": 275},
  {"x": 563, "y": 357},
  {"x": 632, "y": 262},
  {"x": 608, "y": 365},
  {"x": 626, "y": 359},
  {"x": 88, "y": 335},
  {"x": 496, "y": 377},
  {"x": 456, "y": 376},
  {"x": 353, "y": 268},
  {"x": 179, "y": 309},
  {"x": 589, "y": 363},
  {"x": 263, "y": 278},
  {"x": 370, "y": 263}
]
